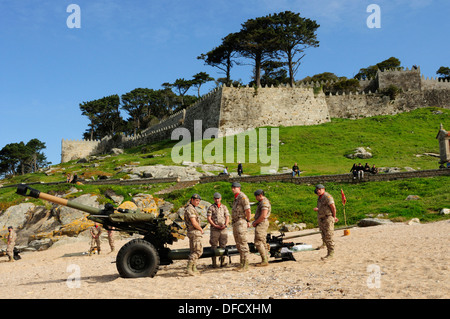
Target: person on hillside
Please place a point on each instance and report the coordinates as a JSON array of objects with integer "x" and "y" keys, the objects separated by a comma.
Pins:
[
  {"x": 240, "y": 170},
  {"x": 295, "y": 170},
  {"x": 374, "y": 170},
  {"x": 367, "y": 168},
  {"x": 360, "y": 170},
  {"x": 354, "y": 171},
  {"x": 224, "y": 172}
]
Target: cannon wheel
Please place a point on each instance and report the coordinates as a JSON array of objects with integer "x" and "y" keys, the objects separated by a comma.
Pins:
[{"x": 137, "y": 258}]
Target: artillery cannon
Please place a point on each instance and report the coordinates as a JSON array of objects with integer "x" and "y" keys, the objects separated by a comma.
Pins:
[{"x": 142, "y": 257}]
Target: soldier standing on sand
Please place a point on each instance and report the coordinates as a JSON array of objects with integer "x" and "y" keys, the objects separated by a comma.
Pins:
[
  {"x": 218, "y": 216},
  {"x": 194, "y": 233},
  {"x": 240, "y": 215},
  {"x": 96, "y": 231},
  {"x": 326, "y": 216},
  {"x": 261, "y": 225},
  {"x": 12, "y": 236},
  {"x": 111, "y": 238}
]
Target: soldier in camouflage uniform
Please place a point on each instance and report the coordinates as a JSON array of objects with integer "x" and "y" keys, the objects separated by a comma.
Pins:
[
  {"x": 261, "y": 225},
  {"x": 240, "y": 215},
  {"x": 194, "y": 233},
  {"x": 12, "y": 236},
  {"x": 218, "y": 216},
  {"x": 111, "y": 238},
  {"x": 326, "y": 215},
  {"x": 96, "y": 231}
]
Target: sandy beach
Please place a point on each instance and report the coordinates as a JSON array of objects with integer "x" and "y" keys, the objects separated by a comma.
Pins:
[{"x": 396, "y": 261}]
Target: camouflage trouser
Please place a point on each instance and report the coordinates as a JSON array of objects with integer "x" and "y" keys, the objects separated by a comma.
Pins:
[
  {"x": 260, "y": 238},
  {"x": 95, "y": 242},
  {"x": 10, "y": 250},
  {"x": 195, "y": 244},
  {"x": 218, "y": 237},
  {"x": 326, "y": 226},
  {"x": 240, "y": 237},
  {"x": 111, "y": 242}
]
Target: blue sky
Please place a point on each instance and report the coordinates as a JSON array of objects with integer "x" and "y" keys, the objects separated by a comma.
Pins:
[{"x": 48, "y": 69}]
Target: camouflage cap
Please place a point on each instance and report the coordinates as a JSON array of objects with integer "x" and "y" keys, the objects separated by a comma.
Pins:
[
  {"x": 196, "y": 196},
  {"x": 217, "y": 195},
  {"x": 235, "y": 184},
  {"x": 319, "y": 186}
]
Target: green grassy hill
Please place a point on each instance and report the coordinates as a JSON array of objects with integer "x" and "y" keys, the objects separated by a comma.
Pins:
[{"x": 395, "y": 141}]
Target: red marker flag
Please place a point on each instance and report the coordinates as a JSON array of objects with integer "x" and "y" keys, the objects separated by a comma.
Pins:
[{"x": 344, "y": 199}]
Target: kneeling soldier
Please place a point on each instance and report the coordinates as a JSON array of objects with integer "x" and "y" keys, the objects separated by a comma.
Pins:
[{"x": 261, "y": 225}]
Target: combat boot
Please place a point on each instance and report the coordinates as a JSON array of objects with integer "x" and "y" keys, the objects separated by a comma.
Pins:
[
  {"x": 214, "y": 262},
  {"x": 189, "y": 268},
  {"x": 241, "y": 264},
  {"x": 195, "y": 270},
  {"x": 264, "y": 262},
  {"x": 223, "y": 263},
  {"x": 329, "y": 255},
  {"x": 244, "y": 265}
]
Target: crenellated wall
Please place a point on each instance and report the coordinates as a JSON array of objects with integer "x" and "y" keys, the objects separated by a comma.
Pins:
[
  {"x": 371, "y": 104},
  {"x": 407, "y": 80},
  {"x": 236, "y": 109},
  {"x": 246, "y": 108}
]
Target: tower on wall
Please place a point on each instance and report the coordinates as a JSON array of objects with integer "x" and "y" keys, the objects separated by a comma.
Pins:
[{"x": 407, "y": 80}]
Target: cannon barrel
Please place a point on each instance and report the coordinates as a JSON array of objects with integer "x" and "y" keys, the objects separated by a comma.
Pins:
[
  {"x": 153, "y": 228},
  {"x": 317, "y": 232},
  {"x": 124, "y": 216},
  {"x": 275, "y": 244},
  {"x": 179, "y": 254},
  {"x": 25, "y": 190}
]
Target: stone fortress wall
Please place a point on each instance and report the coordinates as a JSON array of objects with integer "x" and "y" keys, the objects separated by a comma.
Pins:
[
  {"x": 416, "y": 91},
  {"x": 245, "y": 108},
  {"x": 236, "y": 109}
]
